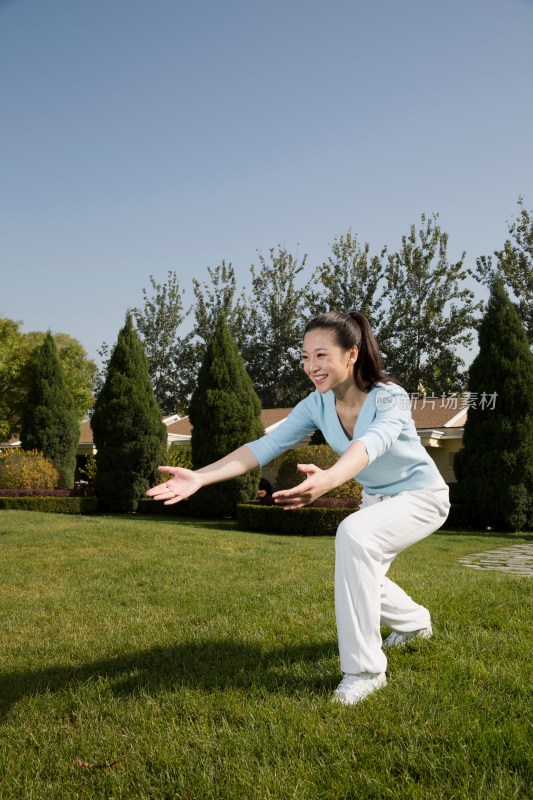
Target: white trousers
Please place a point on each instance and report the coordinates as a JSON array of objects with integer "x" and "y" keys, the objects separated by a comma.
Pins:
[{"x": 365, "y": 545}]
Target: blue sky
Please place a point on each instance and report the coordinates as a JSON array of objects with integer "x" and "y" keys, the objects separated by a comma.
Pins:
[{"x": 142, "y": 136}]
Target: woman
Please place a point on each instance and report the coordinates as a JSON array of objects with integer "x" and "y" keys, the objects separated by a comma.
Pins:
[{"x": 365, "y": 417}]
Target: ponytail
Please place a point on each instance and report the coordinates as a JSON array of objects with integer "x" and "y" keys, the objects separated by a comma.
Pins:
[{"x": 353, "y": 329}]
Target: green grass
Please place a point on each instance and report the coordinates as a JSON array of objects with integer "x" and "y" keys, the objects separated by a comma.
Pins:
[{"x": 202, "y": 659}]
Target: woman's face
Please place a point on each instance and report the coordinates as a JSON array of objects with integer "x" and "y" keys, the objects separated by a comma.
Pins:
[{"x": 327, "y": 364}]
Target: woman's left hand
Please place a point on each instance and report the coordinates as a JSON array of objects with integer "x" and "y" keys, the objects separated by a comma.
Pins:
[{"x": 315, "y": 485}]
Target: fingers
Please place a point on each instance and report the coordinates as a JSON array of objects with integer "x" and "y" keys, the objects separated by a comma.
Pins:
[
  {"x": 297, "y": 502},
  {"x": 301, "y": 489},
  {"x": 164, "y": 491},
  {"x": 292, "y": 499},
  {"x": 309, "y": 468}
]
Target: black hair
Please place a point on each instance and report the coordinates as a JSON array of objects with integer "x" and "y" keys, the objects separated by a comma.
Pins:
[{"x": 351, "y": 328}]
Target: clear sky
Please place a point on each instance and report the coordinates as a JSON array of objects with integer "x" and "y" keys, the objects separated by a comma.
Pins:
[{"x": 142, "y": 136}]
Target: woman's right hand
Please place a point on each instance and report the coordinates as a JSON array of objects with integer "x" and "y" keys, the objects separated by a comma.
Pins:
[{"x": 183, "y": 483}]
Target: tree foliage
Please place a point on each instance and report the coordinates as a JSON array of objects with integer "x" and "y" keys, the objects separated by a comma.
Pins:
[
  {"x": 225, "y": 413},
  {"x": 213, "y": 297},
  {"x": 430, "y": 312},
  {"x": 13, "y": 355},
  {"x": 274, "y": 330},
  {"x": 495, "y": 466},
  {"x": 514, "y": 265},
  {"x": 219, "y": 296},
  {"x": 169, "y": 354},
  {"x": 50, "y": 423},
  {"x": 350, "y": 279},
  {"x": 129, "y": 434},
  {"x": 16, "y": 349}
]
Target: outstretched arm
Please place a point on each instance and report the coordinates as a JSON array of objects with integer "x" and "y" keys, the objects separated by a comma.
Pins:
[
  {"x": 320, "y": 481},
  {"x": 187, "y": 481}
]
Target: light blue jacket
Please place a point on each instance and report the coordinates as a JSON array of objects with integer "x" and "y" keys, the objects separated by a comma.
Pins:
[{"x": 397, "y": 460}]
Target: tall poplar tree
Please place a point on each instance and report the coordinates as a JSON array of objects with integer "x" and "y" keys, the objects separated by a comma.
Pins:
[
  {"x": 495, "y": 466},
  {"x": 430, "y": 312},
  {"x": 169, "y": 354},
  {"x": 275, "y": 326},
  {"x": 129, "y": 434},
  {"x": 224, "y": 413},
  {"x": 350, "y": 279},
  {"x": 49, "y": 420},
  {"x": 514, "y": 264}
]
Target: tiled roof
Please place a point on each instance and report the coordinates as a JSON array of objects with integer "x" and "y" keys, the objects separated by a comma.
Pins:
[
  {"x": 269, "y": 416},
  {"x": 424, "y": 414},
  {"x": 181, "y": 426}
]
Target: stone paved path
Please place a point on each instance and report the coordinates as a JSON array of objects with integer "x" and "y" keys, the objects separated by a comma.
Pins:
[{"x": 517, "y": 559}]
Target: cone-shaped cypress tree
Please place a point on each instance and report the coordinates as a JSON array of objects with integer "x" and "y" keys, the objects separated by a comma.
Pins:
[
  {"x": 495, "y": 466},
  {"x": 129, "y": 434},
  {"x": 49, "y": 420},
  {"x": 225, "y": 413}
]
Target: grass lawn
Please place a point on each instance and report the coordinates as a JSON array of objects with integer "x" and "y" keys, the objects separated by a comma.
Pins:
[{"x": 194, "y": 660}]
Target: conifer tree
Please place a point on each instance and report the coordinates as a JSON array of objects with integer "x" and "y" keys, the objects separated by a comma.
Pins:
[
  {"x": 49, "y": 420},
  {"x": 225, "y": 413},
  {"x": 495, "y": 466},
  {"x": 129, "y": 434}
]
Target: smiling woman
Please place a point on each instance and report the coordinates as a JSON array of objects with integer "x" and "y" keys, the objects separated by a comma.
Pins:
[{"x": 365, "y": 417}]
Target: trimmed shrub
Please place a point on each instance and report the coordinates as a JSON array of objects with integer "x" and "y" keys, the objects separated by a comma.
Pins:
[
  {"x": 128, "y": 432},
  {"x": 322, "y": 456},
  {"x": 76, "y": 491},
  {"x": 225, "y": 412},
  {"x": 55, "y": 505},
  {"x": 458, "y": 518},
  {"x": 27, "y": 469},
  {"x": 36, "y": 492},
  {"x": 49, "y": 420},
  {"x": 495, "y": 466},
  {"x": 307, "y": 521}
]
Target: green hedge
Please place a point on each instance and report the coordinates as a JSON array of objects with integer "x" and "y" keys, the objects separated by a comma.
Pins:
[
  {"x": 57, "y": 505},
  {"x": 149, "y": 506},
  {"x": 299, "y": 522},
  {"x": 458, "y": 518}
]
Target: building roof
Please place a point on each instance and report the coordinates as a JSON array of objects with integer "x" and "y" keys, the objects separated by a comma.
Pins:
[
  {"x": 434, "y": 414},
  {"x": 428, "y": 414},
  {"x": 181, "y": 426}
]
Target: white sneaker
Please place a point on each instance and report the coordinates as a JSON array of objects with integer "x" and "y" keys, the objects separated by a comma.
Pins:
[
  {"x": 397, "y": 639},
  {"x": 354, "y": 688}
]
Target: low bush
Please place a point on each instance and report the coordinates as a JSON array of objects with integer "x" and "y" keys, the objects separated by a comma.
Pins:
[
  {"x": 178, "y": 456},
  {"x": 27, "y": 469},
  {"x": 56, "y": 505},
  {"x": 311, "y": 520},
  {"x": 322, "y": 456},
  {"x": 458, "y": 518},
  {"x": 80, "y": 489},
  {"x": 35, "y": 492}
]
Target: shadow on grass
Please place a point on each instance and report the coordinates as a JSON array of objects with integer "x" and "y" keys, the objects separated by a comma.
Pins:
[
  {"x": 205, "y": 665},
  {"x": 186, "y": 522}
]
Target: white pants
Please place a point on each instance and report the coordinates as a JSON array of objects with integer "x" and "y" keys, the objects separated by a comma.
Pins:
[{"x": 366, "y": 544}]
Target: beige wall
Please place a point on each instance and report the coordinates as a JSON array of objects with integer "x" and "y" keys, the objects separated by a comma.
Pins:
[{"x": 443, "y": 457}]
